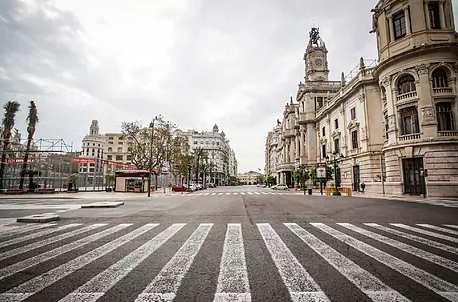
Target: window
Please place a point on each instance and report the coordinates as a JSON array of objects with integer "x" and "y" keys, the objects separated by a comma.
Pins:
[
  {"x": 439, "y": 78},
  {"x": 445, "y": 116},
  {"x": 354, "y": 139},
  {"x": 337, "y": 146},
  {"x": 433, "y": 10},
  {"x": 386, "y": 127},
  {"x": 319, "y": 101},
  {"x": 109, "y": 157},
  {"x": 336, "y": 124},
  {"x": 323, "y": 131},
  {"x": 119, "y": 149},
  {"x": 217, "y": 143},
  {"x": 195, "y": 142},
  {"x": 409, "y": 120},
  {"x": 118, "y": 157},
  {"x": 110, "y": 138},
  {"x": 353, "y": 113},
  {"x": 110, "y": 149},
  {"x": 120, "y": 143},
  {"x": 129, "y": 157},
  {"x": 399, "y": 23},
  {"x": 323, "y": 151},
  {"x": 406, "y": 84}
]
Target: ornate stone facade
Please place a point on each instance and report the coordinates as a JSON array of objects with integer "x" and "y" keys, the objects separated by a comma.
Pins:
[{"x": 395, "y": 119}]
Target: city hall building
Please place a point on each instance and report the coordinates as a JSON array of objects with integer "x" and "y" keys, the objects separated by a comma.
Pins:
[{"x": 393, "y": 121}]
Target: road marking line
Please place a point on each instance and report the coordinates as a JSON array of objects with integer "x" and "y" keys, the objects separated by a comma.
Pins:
[
  {"x": 433, "y": 227},
  {"x": 299, "y": 283},
  {"x": 264, "y": 193},
  {"x": 439, "y": 286},
  {"x": 39, "y": 283},
  {"x": 24, "y": 229},
  {"x": 428, "y": 242},
  {"x": 235, "y": 193},
  {"x": 206, "y": 194},
  {"x": 37, "y": 235},
  {"x": 257, "y": 193},
  {"x": 165, "y": 285},
  {"x": 251, "y": 193},
  {"x": 362, "y": 279},
  {"x": 22, "y": 265},
  {"x": 233, "y": 274},
  {"x": 100, "y": 284},
  {"x": 243, "y": 193},
  {"x": 220, "y": 193},
  {"x": 213, "y": 194},
  {"x": 38, "y": 244},
  {"x": 452, "y": 265},
  {"x": 451, "y": 226},
  {"x": 228, "y": 193},
  {"x": 425, "y": 232}
]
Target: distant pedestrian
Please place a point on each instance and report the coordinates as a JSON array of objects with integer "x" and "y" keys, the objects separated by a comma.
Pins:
[{"x": 363, "y": 186}]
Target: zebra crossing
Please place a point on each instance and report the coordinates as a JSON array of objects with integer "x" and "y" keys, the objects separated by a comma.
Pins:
[
  {"x": 246, "y": 193},
  {"x": 37, "y": 259}
]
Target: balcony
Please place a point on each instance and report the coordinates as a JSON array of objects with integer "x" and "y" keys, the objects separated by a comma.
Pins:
[
  {"x": 442, "y": 91},
  {"x": 409, "y": 137},
  {"x": 447, "y": 133},
  {"x": 407, "y": 96}
]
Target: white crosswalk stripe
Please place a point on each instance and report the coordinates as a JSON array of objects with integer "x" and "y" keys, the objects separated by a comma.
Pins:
[
  {"x": 36, "y": 235},
  {"x": 232, "y": 273},
  {"x": 451, "y": 226},
  {"x": 23, "y": 229},
  {"x": 366, "y": 282},
  {"x": 425, "y": 232},
  {"x": 299, "y": 283},
  {"x": 165, "y": 285},
  {"x": 439, "y": 286}
]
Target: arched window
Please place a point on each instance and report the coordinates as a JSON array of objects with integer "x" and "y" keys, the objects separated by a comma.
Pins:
[
  {"x": 110, "y": 149},
  {"x": 406, "y": 84},
  {"x": 439, "y": 78}
]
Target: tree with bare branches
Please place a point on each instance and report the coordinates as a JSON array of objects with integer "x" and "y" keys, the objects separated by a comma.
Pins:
[{"x": 11, "y": 108}]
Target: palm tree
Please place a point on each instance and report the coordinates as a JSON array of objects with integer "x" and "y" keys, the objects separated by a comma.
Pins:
[
  {"x": 32, "y": 121},
  {"x": 11, "y": 108}
]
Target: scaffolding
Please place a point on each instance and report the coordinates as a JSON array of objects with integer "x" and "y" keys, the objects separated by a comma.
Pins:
[{"x": 49, "y": 164}]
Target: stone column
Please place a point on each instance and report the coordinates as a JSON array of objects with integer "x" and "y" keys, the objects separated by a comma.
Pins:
[
  {"x": 390, "y": 21},
  {"x": 390, "y": 95},
  {"x": 407, "y": 16},
  {"x": 428, "y": 21},
  {"x": 298, "y": 147},
  {"x": 292, "y": 151},
  {"x": 426, "y": 108},
  {"x": 302, "y": 141},
  {"x": 442, "y": 15}
]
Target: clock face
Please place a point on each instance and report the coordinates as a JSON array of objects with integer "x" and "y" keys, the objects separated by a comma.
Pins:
[{"x": 318, "y": 62}]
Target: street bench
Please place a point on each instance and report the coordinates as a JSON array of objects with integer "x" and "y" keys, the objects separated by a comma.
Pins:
[
  {"x": 45, "y": 191},
  {"x": 14, "y": 191}
]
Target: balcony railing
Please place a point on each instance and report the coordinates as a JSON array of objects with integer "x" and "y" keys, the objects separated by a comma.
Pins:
[
  {"x": 406, "y": 96},
  {"x": 409, "y": 137},
  {"x": 443, "y": 90},
  {"x": 448, "y": 133}
]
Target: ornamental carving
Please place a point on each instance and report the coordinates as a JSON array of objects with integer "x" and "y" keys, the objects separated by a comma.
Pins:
[
  {"x": 455, "y": 66},
  {"x": 361, "y": 97},
  {"x": 428, "y": 113},
  {"x": 335, "y": 133},
  {"x": 363, "y": 134},
  {"x": 386, "y": 82},
  {"x": 352, "y": 124},
  {"x": 391, "y": 122},
  {"x": 422, "y": 69}
]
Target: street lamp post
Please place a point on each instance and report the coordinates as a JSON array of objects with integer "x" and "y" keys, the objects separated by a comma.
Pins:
[
  {"x": 151, "y": 125},
  {"x": 189, "y": 175},
  {"x": 335, "y": 157}
]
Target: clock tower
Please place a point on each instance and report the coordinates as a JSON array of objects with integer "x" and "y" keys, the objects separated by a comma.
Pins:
[{"x": 316, "y": 59}]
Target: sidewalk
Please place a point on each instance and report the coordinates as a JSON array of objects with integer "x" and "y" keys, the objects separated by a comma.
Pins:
[{"x": 90, "y": 195}]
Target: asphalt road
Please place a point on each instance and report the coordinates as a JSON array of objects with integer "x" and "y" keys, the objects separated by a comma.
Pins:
[{"x": 231, "y": 244}]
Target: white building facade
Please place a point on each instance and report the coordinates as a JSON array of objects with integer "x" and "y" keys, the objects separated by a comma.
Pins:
[{"x": 394, "y": 120}]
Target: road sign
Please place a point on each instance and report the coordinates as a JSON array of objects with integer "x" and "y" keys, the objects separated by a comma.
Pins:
[
  {"x": 321, "y": 172},
  {"x": 166, "y": 164}
]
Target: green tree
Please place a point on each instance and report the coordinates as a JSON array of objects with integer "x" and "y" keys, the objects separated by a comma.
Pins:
[
  {"x": 270, "y": 180},
  {"x": 200, "y": 156},
  {"x": 32, "y": 121},
  {"x": 74, "y": 179},
  {"x": 110, "y": 178},
  {"x": 300, "y": 176},
  {"x": 11, "y": 108}
]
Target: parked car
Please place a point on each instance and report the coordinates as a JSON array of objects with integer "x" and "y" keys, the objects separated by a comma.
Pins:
[
  {"x": 179, "y": 188},
  {"x": 280, "y": 187},
  {"x": 261, "y": 185},
  {"x": 192, "y": 188},
  {"x": 199, "y": 186}
]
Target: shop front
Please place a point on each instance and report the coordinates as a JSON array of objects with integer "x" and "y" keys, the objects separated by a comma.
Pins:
[{"x": 131, "y": 181}]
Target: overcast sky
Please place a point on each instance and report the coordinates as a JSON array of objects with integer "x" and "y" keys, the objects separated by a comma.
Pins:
[{"x": 235, "y": 63}]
